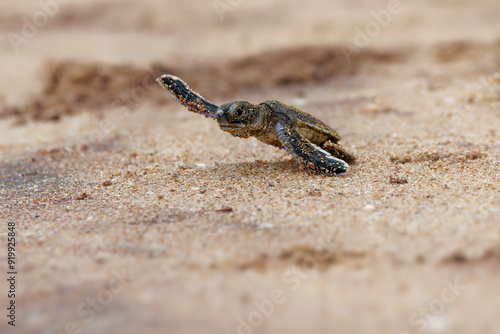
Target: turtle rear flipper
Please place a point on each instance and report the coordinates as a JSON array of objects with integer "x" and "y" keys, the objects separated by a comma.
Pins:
[
  {"x": 189, "y": 98},
  {"x": 308, "y": 154},
  {"x": 338, "y": 151}
]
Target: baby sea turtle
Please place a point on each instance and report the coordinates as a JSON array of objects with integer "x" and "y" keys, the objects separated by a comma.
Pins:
[{"x": 310, "y": 141}]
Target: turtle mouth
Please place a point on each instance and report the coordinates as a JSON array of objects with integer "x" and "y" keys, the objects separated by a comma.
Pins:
[{"x": 231, "y": 126}]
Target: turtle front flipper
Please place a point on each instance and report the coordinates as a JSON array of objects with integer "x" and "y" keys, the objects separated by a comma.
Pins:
[
  {"x": 189, "y": 98},
  {"x": 308, "y": 154}
]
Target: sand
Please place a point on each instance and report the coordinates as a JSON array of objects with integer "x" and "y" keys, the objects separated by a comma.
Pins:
[{"x": 135, "y": 215}]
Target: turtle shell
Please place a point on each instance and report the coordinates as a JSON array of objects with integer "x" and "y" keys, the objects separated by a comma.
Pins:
[{"x": 309, "y": 126}]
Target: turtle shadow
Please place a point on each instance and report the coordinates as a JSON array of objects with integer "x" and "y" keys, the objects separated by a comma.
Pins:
[{"x": 252, "y": 169}]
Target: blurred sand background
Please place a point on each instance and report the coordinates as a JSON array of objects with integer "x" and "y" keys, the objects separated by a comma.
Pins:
[{"x": 105, "y": 173}]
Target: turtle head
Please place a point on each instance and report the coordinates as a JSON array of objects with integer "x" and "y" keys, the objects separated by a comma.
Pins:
[{"x": 239, "y": 118}]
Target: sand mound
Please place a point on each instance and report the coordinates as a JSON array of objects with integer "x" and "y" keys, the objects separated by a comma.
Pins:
[{"x": 70, "y": 87}]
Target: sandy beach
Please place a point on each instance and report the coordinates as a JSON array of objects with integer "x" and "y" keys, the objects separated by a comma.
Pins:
[{"x": 133, "y": 214}]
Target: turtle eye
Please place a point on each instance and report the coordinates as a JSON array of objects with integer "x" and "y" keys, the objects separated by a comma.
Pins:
[{"x": 238, "y": 114}]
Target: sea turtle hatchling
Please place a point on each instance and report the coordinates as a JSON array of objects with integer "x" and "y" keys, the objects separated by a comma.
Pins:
[{"x": 310, "y": 141}]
